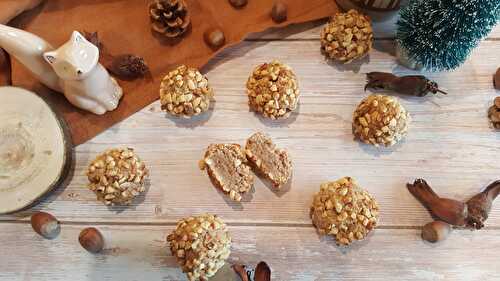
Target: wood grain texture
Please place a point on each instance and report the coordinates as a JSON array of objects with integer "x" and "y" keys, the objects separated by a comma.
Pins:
[
  {"x": 160, "y": 53},
  {"x": 450, "y": 142},
  {"x": 294, "y": 254}
]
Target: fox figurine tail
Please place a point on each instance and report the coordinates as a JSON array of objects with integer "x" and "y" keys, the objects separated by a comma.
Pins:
[{"x": 28, "y": 49}]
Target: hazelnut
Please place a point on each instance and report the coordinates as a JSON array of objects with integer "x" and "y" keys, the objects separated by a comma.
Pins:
[
  {"x": 91, "y": 240},
  {"x": 214, "y": 38},
  {"x": 238, "y": 3},
  {"x": 435, "y": 231},
  {"x": 496, "y": 79},
  {"x": 45, "y": 224},
  {"x": 279, "y": 12}
]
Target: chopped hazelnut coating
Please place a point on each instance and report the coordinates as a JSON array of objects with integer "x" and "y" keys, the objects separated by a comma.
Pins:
[
  {"x": 201, "y": 245},
  {"x": 343, "y": 210},
  {"x": 273, "y": 90},
  {"x": 185, "y": 92},
  {"x": 117, "y": 176},
  {"x": 227, "y": 167},
  {"x": 273, "y": 163},
  {"x": 380, "y": 120},
  {"x": 494, "y": 113},
  {"x": 347, "y": 36}
]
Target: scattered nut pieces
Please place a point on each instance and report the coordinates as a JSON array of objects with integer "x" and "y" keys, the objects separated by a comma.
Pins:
[
  {"x": 201, "y": 245},
  {"x": 380, "y": 120},
  {"x": 91, "y": 240},
  {"x": 494, "y": 113},
  {"x": 271, "y": 162},
  {"x": 169, "y": 17},
  {"x": 279, "y": 12},
  {"x": 273, "y": 90},
  {"x": 344, "y": 210},
  {"x": 348, "y": 36},
  {"x": 227, "y": 167},
  {"x": 45, "y": 224},
  {"x": 238, "y": 3},
  {"x": 496, "y": 79},
  {"x": 185, "y": 92},
  {"x": 117, "y": 176},
  {"x": 435, "y": 231},
  {"x": 214, "y": 37}
]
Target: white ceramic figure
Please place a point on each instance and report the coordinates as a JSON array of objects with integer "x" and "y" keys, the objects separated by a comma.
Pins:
[{"x": 73, "y": 69}]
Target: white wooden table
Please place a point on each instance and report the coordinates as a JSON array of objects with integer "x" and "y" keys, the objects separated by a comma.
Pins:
[{"x": 450, "y": 143}]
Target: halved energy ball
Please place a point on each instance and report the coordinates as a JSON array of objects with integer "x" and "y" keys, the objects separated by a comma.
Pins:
[
  {"x": 227, "y": 168},
  {"x": 271, "y": 162}
]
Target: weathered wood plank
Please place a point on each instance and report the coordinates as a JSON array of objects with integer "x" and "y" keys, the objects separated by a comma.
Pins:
[
  {"x": 311, "y": 31},
  {"x": 450, "y": 143},
  {"x": 294, "y": 253}
]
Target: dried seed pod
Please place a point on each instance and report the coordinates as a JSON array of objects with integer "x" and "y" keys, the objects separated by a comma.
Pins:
[
  {"x": 448, "y": 210},
  {"x": 201, "y": 245},
  {"x": 273, "y": 90},
  {"x": 380, "y": 120},
  {"x": 413, "y": 85},
  {"x": 496, "y": 80},
  {"x": 91, "y": 240},
  {"x": 279, "y": 12},
  {"x": 45, "y": 224},
  {"x": 479, "y": 206},
  {"x": 185, "y": 92},
  {"x": 238, "y": 3},
  {"x": 435, "y": 231},
  {"x": 214, "y": 37},
  {"x": 117, "y": 176},
  {"x": 347, "y": 36},
  {"x": 344, "y": 210},
  {"x": 128, "y": 66}
]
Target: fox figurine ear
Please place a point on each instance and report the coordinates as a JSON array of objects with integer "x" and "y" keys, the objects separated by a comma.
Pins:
[
  {"x": 50, "y": 57},
  {"x": 77, "y": 37}
]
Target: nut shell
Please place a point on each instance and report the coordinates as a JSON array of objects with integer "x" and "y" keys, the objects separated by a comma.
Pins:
[
  {"x": 201, "y": 245},
  {"x": 494, "y": 113},
  {"x": 185, "y": 92},
  {"x": 117, "y": 176},
  {"x": 347, "y": 36},
  {"x": 380, "y": 120},
  {"x": 45, "y": 224},
  {"x": 91, "y": 240},
  {"x": 343, "y": 210},
  {"x": 435, "y": 231},
  {"x": 273, "y": 90}
]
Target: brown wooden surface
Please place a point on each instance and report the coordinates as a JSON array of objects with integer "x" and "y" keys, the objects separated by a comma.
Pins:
[
  {"x": 124, "y": 27},
  {"x": 450, "y": 143}
]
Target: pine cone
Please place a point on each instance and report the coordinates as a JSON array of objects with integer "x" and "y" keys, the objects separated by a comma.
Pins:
[{"x": 169, "y": 17}]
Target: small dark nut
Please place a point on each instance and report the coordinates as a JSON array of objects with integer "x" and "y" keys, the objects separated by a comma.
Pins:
[
  {"x": 279, "y": 12},
  {"x": 238, "y": 3},
  {"x": 497, "y": 102},
  {"x": 45, "y": 224},
  {"x": 214, "y": 38},
  {"x": 435, "y": 231},
  {"x": 91, "y": 240},
  {"x": 128, "y": 66},
  {"x": 496, "y": 79}
]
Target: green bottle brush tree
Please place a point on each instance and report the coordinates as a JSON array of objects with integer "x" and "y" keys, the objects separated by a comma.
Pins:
[{"x": 439, "y": 35}]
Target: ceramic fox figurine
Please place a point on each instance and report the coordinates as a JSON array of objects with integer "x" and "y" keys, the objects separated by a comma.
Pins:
[{"x": 73, "y": 69}]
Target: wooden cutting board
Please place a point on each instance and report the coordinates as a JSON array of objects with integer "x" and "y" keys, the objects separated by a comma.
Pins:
[{"x": 124, "y": 27}]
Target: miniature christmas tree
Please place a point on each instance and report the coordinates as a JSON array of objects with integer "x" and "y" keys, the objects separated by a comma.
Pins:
[{"x": 439, "y": 35}]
